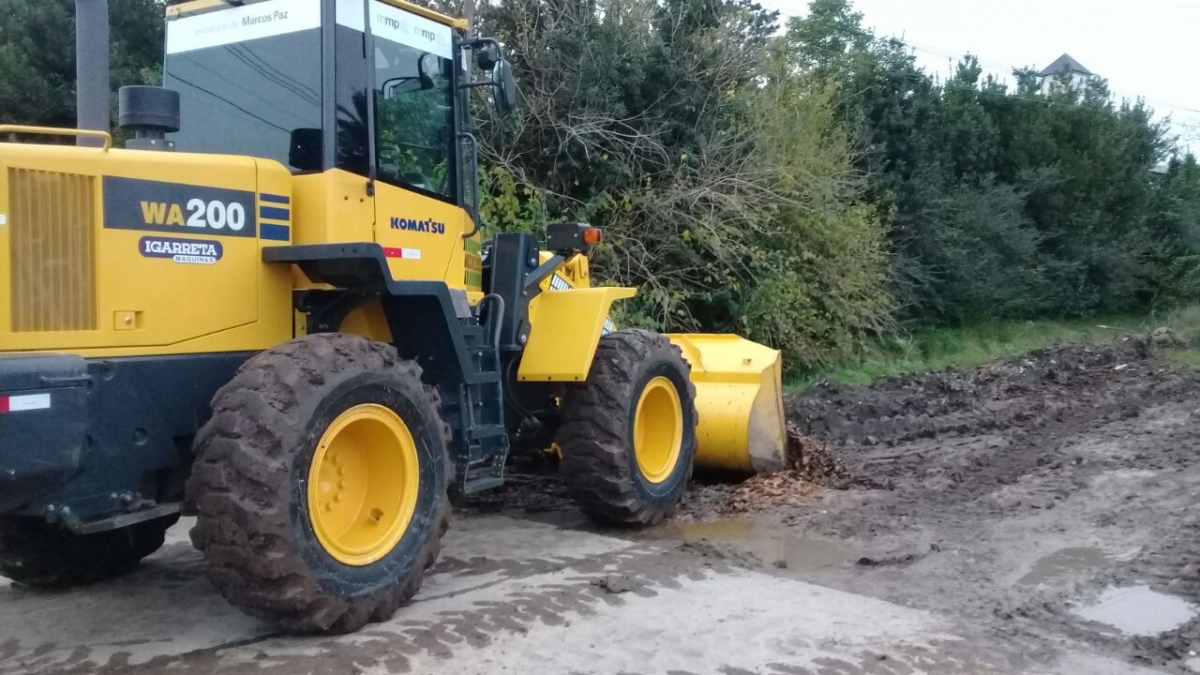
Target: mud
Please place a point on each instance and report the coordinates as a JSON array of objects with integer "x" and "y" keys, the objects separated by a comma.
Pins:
[
  {"x": 1014, "y": 496},
  {"x": 1024, "y": 496}
]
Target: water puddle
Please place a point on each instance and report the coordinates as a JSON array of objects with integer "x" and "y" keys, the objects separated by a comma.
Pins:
[
  {"x": 772, "y": 544},
  {"x": 1062, "y": 563},
  {"x": 1138, "y": 610}
]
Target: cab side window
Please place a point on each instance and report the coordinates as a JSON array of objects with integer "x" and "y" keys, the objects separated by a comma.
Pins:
[{"x": 414, "y": 120}]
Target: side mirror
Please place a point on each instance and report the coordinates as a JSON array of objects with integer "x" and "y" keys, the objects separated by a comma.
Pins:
[
  {"x": 487, "y": 56},
  {"x": 506, "y": 87}
]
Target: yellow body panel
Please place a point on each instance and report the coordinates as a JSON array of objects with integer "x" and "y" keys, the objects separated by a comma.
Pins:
[
  {"x": 332, "y": 207},
  {"x": 460, "y": 24},
  {"x": 566, "y": 326},
  {"x": 421, "y": 236},
  {"x": 132, "y": 304},
  {"x": 567, "y": 320},
  {"x": 739, "y": 402},
  {"x": 574, "y": 272},
  {"x": 186, "y": 8},
  {"x": 472, "y": 267}
]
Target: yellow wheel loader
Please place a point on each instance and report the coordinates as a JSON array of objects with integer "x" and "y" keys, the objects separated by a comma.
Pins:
[{"x": 273, "y": 309}]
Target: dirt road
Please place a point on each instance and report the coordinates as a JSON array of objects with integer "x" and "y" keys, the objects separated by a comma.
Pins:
[
  {"x": 1040, "y": 515},
  {"x": 1050, "y": 499}
]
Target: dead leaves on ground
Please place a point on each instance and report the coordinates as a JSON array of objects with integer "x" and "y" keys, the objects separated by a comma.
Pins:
[{"x": 810, "y": 466}]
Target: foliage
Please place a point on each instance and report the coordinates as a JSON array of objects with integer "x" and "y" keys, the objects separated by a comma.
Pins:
[
  {"x": 1024, "y": 202},
  {"x": 37, "y": 56},
  {"x": 722, "y": 176}
]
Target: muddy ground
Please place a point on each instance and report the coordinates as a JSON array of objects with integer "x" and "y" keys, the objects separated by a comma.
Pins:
[
  {"x": 1037, "y": 516},
  {"x": 1052, "y": 498}
]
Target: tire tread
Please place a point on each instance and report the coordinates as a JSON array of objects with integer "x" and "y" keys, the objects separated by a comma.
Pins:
[
  {"x": 242, "y": 476},
  {"x": 596, "y": 454}
]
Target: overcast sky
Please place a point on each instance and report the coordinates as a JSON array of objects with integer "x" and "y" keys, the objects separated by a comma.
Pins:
[{"x": 1146, "y": 48}]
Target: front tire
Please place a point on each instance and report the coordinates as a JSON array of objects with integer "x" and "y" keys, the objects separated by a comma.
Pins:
[
  {"x": 628, "y": 435},
  {"x": 37, "y": 554},
  {"x": 320, "y": 484}
]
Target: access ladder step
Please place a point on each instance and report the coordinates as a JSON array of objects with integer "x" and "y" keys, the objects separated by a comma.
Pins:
[{"x": 488, "y": 431}]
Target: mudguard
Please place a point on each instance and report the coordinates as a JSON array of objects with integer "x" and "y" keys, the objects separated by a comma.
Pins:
[{"x": 565, "y": 327}]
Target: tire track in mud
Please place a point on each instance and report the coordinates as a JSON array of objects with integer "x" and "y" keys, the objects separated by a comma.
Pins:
[
  {"x": 509, "y": 605},
  {"x": 586, "y": 583},
  {"x": 1080, "y": 446}
]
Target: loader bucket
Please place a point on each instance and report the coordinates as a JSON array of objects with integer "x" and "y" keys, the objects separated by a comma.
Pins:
[{"x": 739, "y": 399}]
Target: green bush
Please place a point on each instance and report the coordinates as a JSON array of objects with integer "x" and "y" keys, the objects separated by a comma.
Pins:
[{"x": 724, "y": 181}]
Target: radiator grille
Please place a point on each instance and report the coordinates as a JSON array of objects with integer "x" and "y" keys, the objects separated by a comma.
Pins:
[{"x": 52, "y": 251}]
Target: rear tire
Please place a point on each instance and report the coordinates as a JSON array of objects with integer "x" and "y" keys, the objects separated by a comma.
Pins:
[
  {"x": 313, "y": 510},
  {"x": 37, "y": 554},
  {"x": 632, "y": 371}
]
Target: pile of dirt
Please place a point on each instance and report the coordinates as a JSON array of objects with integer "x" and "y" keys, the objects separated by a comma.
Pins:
[
  {"x": 832, "y": 428},
  {"x": 768, "y": 491},
  {"x": 839, "y": 436},
  {"x": 924, "y": 405}
]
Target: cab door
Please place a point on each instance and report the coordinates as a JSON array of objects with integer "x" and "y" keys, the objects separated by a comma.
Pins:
[{"x": 417, "y": 219}]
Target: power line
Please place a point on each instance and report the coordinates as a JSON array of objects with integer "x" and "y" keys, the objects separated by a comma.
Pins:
[
  {"x": 996, "y": 65},
  {"x": 176, "y": 77}
]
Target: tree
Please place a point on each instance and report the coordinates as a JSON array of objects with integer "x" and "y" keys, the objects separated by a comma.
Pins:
[
  {"x": 37, "y": 56},
  {"x": 724, "y": 180},
  {"x": 1009, "y": 203}
]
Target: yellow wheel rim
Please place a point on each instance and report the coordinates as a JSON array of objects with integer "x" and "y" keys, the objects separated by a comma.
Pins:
[
  {"x": 658, "y": 430},
  {"x": 363, "y": 484}
]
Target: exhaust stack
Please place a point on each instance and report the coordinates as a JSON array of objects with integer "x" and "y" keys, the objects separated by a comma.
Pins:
[{"x": 92, "y": 85}]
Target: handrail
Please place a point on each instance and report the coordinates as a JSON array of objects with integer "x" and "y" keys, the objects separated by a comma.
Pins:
[
  {"x": 55, "y": 131},
  {"x": 466, "y": 136}
]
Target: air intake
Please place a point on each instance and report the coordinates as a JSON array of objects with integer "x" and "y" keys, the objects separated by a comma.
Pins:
[{"x": 52, "y": 251}]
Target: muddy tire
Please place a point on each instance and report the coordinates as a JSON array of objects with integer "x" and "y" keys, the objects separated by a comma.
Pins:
[
  {"x": 37, "y": 554},
  {"x": 634, "y": 372},
  {"x": 307, "y": 518}
]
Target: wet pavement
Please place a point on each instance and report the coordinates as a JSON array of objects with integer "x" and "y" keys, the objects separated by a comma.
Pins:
[{"x": 515, "y": 595}]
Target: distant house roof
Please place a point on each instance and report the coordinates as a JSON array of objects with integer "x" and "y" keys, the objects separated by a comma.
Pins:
[{"x": 1065, "y": 64}]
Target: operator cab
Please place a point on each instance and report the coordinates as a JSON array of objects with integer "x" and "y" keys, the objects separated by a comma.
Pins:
[{"x": 377, "y": 88}]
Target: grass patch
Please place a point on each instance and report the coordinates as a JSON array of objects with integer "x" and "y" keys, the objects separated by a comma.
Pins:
[{"x": 971, "y": 346}]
